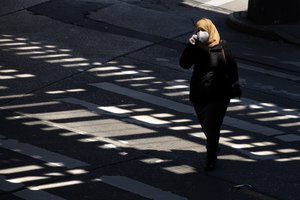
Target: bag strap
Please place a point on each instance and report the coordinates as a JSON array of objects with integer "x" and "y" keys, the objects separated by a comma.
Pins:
[
  {"x": 220, "y": 49},
  {"x": 223, "y": 51}
]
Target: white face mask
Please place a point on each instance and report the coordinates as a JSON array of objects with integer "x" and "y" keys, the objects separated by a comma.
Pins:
[{"x": 202, "y": 36}]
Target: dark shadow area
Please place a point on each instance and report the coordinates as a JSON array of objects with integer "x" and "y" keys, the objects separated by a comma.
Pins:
[{"x": 60, "y": 133}]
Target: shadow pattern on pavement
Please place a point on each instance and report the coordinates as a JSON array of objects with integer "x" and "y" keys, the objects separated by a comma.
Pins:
[{"x": 127, "y": 136}]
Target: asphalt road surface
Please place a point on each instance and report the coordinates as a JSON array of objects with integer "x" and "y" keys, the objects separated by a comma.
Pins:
[{"x": 94, "y": 105}]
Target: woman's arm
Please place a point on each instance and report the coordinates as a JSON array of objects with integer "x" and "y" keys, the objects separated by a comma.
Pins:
[{"x": 187, "y": 57}]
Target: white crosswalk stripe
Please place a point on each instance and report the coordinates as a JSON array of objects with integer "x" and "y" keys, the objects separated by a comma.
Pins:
[
  {"x": 139, "y": 188},
  {"x": 233, "y": 122},
  {"x": 269, "y": 72},
  {"x": 53, "y": 159},
  {"x": 28, "y": 194},
  {"x": 257, "y": 155},
  {"x": 217, "y": 2},
  {"x": 126, "y": 114}
]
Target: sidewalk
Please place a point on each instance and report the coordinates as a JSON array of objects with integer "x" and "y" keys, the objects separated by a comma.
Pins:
[{"x": 286, "y": 32}]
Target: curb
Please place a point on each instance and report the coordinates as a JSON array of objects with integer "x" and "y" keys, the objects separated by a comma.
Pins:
[{"x": 238, "y": 21}]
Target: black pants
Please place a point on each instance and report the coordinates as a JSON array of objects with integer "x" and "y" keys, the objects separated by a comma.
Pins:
[{"x": 211, "y": 117}]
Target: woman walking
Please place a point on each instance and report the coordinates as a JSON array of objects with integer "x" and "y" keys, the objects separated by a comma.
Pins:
[{"x": 214, "y": 75}]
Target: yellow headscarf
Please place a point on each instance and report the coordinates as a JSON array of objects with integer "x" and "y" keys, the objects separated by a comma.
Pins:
[{"x": 207, "y": 25}]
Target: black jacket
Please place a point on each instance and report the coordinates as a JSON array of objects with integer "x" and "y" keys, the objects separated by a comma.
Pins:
[{"x": 212, "y": 77}]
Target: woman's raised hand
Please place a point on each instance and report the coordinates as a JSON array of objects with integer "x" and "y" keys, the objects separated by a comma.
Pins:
[{"x": 193, "y": 39}]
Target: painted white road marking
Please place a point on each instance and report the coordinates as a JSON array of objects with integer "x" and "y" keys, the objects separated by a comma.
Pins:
[
  {"x": 51, "y": 158},
  {"x": 139, "y": 188},
  {"x": 242, "y": 148},
  {"x": 145, "y": 97},
  {"x": 295, "y": 63},
  {"x": 28, "y": 194},
  {"x": 23, "y": 169},
  {"x": 199, "y": 135},
  {"x": 73, "y": 131},
  {"x": 233, "y": 122},
  {"x": 8, "y": 186},
  {"x": 289, "y": 138},
  {"x": 269, "y": 72},
  {"x": 217, "y": 2},
  {"x": 251, "y": 127}
]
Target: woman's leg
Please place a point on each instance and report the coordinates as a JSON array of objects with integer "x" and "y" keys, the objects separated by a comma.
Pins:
[
  {"x": 211, "y": 117},
  {"x": 200, "y": 110}
]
